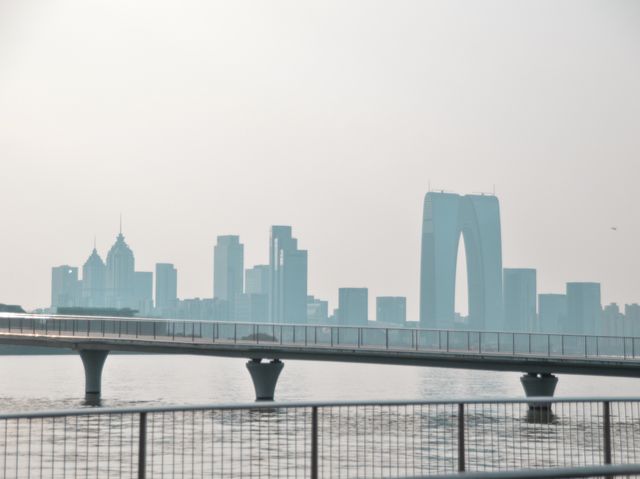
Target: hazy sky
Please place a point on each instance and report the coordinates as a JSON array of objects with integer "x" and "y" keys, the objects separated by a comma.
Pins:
[{"x": 196, "y": 118}]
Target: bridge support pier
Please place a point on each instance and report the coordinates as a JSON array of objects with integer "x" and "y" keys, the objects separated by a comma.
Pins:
[
  {"x": 539, "y": 385},
  {"x": 93, "y": 361},
  {"x": 264, "y": 377}
]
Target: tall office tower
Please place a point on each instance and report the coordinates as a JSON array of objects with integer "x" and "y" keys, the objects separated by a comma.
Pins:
[
  {"x": 317, "y": 310},
  {"x": 120, "y": 277},
  {"x": 632, "y": 319},
  {"x": 228, "y": 270},
  {"x": 166, "y": 288},
  {"x": 446, "y": 217},
  {"x": 256, "y": 279},
  {"x": 520, "y": 296},
  {"x": 612, "y": 323},
  {"x": 353, "y": 306},
  {"x": 143, "y": 291},
  {"x": 65, "y": 287},
  {"x": 391, "y": 309},
  {"x": 288, "y": 283},
  {"x": 584, "y": 309},
  {"x": 94, "y": 281},
  {"x": 552, "y": 313}
]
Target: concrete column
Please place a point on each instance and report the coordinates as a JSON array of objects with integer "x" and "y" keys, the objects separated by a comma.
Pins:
[
  {"x": 93, "y": 361},
  {"x": 539, "y": 385},
  {"x": 264, "y": 376}
]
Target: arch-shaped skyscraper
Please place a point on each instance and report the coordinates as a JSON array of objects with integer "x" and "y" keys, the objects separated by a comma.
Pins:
[{"x": 446, "y": 217}]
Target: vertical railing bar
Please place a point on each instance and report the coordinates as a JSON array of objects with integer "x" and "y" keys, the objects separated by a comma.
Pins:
[
  {"x": 461, "y": 454},
  {"x": 142, "y": 446},
  {"x": 314, "y": 442},
  {"x": 606, "y": 433}
]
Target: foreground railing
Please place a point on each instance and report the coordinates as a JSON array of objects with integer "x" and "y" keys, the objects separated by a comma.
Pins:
[
  {"x": 397, "y": 339},
  {"x": 346, "y": 439}
]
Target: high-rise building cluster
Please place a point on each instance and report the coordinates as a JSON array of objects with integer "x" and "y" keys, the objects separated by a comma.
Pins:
[
  {"x": 275, "y": 292},
  {"x": 500, "y": 299},
  {"x": 114, "y": 284}
]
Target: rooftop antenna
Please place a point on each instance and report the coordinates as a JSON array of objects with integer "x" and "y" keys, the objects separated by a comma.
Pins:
[{"x": 94, "y": 241}]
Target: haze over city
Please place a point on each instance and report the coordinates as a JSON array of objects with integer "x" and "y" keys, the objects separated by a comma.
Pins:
[{"x": 195, "y": 120}]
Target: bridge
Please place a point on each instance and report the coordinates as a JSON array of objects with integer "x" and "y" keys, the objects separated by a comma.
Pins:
[{"x": 538, "y": 355}]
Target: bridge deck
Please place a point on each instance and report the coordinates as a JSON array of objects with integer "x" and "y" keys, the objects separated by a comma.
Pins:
[{"x": 497, "y": 351}]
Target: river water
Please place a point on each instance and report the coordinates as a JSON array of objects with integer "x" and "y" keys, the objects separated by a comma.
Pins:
[
  {"x": 57, "y": 382},
  {"x": 368, "y": 441}
]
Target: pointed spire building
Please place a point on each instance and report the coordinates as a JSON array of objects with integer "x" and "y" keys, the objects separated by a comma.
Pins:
[{"x": 93, "y": 280}]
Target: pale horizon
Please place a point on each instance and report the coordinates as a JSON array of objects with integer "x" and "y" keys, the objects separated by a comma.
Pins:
[{"x": 197, "y": 119}]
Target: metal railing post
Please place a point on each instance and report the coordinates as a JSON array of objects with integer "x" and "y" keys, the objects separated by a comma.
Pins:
[
  {"x": 529, "y": 343},
  {"x": 548, "y": 345},
  {"x": 480, "y": 343},
  {"x": 562, "y": 344},
  {"x": 446, "y": 337},
  {"x": 461, "y": 462},
  {"x": 606, "y": 433},
  {"x": 585, "y": 346},
  {"x": 513, "y": 343},
  {"x": 314, "y": 442},
  {"x": 386, "y": 339},
  {"x": 468, "y": 341},
  {"x": 235, "y": 333},
  {"x": 142, "y": 446}
]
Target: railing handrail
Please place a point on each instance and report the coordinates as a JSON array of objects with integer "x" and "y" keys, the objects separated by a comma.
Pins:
[
  {"x": 302, "y": 325},
  {"x": 269, "y": 405},
  {"x": 545, "y": 473}
]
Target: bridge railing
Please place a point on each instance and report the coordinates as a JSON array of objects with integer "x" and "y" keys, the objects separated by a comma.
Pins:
[
  {"x": 386, "y": 338},
  {"x": 314, "y": 439}
]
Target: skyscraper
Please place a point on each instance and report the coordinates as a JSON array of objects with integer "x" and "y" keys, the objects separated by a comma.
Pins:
[
  {"x": 166, "y": 288},
  {"x": 552, "y": 313},
  {"x": 391, "y": 309},
  {"x": 477, "y": 218},
  {"x": 317, "y": 310},
  {"x": 584, "y": 308},
  {"x": 94, "y": 281},
  {"x": 632, "y": 319},
  {"x": 65, "y": 287},
  {"x": 257, "y": 279},
  {"x": 520, "y": 296},
  {"x": 228, "y": 270},
  {"x": 143, "y": 291},
  {"x": 120, "y": 276},
  {"x": 353, "y": 306},
  {"x": 288, "y": 284}
]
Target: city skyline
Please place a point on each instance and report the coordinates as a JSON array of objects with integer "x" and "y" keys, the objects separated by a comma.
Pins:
[
  {"x": 526, "y": 97},
  {"x": 452, "y": 217}
]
